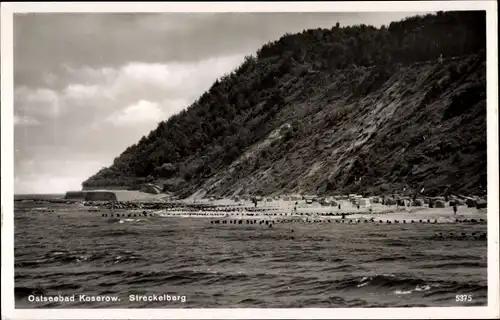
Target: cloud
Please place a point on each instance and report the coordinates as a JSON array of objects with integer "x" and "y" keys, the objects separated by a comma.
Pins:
[
  {"x": 40, "y": 102},
  {"x": 170, "y": 80},
  {"x": 142, "y": 111},
  {"x": 104, "y": 110},
  {"x": 87, "y": 74},
  {"x": 25, "y": 121},
  {"x": 97, "y": 94},
  {"x": 81, "y": 91},
  {"x": 171, "y": 107},
  {"x": 46, "y": 183},
  {"x": 44, "y": 42},
  {"x": 147, "y": 112},
  {"x": 52, "y": 176}
]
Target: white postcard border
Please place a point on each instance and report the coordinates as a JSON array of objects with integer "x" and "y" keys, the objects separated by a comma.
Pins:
[{"x": 7, "y": 181}]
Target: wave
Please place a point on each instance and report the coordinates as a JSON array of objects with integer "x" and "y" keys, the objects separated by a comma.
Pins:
[
  {"x": 165, "y": 277},
  {"x": 454, "y": 287},
  {"x": 30, "y": 263},
  {"x": 316, "y": 258},
  {"x": 64, "y": 286},
  {"x": 184, "y": 277},
  {"x": 343, "y": 267},
  {"x": 251, "y": 302},
  {"x": 418, "y": 288},
  {"x": 130, "y": 220},
  {"x": 67, "y": 258},
  {"x": 395, "y": 284},
  {"x": 178, "y": 279},
  {"x": 388, "y": 259},
  {"x": 464, "y": 264},
  {"x": 114, "y": 273},
  {"x": 397, "y": 243},
  {"x": 405, "y": 285},
  {"x": 377, "y": 234},
  {"x": 379, "y": 281},
  {"x": 446, "y": 257},
  {"x": 115, "y": 233}
]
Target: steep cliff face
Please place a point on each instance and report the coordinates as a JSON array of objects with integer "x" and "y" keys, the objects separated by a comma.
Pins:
[
  {"x": 419, "y": 126},
  {"x": 344, "y": 110}
]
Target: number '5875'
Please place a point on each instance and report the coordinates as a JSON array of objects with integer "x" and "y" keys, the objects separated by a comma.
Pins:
[{"x": 463, "y": 298}]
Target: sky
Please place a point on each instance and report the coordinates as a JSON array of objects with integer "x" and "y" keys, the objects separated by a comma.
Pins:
[{"x": 88, "y": 85}]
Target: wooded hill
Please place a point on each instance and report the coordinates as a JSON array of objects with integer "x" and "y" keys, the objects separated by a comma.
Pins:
[{"x": 328, "y": 111}]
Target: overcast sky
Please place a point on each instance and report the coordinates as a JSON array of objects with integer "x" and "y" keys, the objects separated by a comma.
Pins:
[{"x": 89, "y": 85}]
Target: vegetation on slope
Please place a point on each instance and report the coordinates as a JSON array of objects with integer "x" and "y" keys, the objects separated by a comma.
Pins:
[{"x": 354, "y": 103}]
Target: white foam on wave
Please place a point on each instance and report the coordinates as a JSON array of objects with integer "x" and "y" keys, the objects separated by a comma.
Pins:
[
  {"x": 82, "y": 258},
  {"x": 403, "y": 292},
  {"x": 423, "y": 288},
  {"x": 418, "y": 288},
  {"x": 129, "y": 220},
  {"x": 364, "y": 282}
]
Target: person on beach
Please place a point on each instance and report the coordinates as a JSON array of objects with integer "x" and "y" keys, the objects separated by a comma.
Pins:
[
  {"x": 454, "y": 209},
  {"x": 339, "y": 206}
]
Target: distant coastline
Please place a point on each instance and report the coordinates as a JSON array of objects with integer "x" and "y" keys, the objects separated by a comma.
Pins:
[{"x": 35, "y": 196}]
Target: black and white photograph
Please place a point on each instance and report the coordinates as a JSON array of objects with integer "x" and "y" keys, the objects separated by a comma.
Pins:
[{"x": 278, "y": 159}]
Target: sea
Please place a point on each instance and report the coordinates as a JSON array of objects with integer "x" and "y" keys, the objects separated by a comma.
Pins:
[{"x": 63, "y": 252}]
